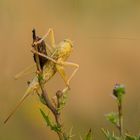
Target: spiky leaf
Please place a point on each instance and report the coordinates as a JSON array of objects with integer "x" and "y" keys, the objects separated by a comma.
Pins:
[
  {"x": 42, "y": 99},
  {"x": 89, "y": 135},
  {"x": 53, "y": 126},
  {"x": 113, "y": 118},
  {"x": 110, "y": 136},
  {"x": 129, "y": 137}
]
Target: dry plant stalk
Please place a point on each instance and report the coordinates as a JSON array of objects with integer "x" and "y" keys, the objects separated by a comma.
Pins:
[{"x": 49, "y": 104}]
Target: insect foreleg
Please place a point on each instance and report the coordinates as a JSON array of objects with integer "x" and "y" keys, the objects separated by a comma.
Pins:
[
  {"x": 60, "y": 68},
  {"x": 73, "y": 73},
  {"x": 61, "y": 71},
  {"x": 43, "y": 55}
]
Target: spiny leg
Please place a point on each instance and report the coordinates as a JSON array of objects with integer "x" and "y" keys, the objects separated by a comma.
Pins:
[
  {"x": 50, "y": 33},
  {"x": 61, "y": 63},
  {"x": 62, "y": 72},
  {"x": 59, "y": 66}
]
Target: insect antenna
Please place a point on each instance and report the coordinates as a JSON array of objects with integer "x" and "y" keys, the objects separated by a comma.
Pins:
[{"x": 17, "y": 106}]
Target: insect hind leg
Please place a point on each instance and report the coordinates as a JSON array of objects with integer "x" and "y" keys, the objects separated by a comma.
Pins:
[{"x": 49, "y": 34}]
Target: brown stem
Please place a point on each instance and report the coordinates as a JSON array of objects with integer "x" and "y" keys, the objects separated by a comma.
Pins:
[
  {"x": 47, "y": 100},
  {"x": 120, "y": 118},
  {"x": 49, "y": 104},
  {"x": 54, "y": 111}
]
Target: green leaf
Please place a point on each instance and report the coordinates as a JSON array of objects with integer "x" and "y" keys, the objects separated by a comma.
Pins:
[
  {"x": 42, "y": 99},
  {"x": 40, "y": 78},
  {"x": 70, "y": 135},
  {"x": 110, "y": 136},
  {"x": 53, "y": 126},
  {"x": 129, "y": 137},
  {"x": 113, "y": 118},
  {"x": 56, "y": 128},
  {"x": 46, "y": 118},
  {"x": 89, "y": 135}
]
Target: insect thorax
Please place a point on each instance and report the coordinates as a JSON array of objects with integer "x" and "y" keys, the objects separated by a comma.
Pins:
[{"x": 62, "y": 51}]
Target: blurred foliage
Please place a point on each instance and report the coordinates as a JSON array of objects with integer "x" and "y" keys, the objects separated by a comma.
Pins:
[
  {"x": 110, "y": 136},
  {"x": 113, "y": 118}
]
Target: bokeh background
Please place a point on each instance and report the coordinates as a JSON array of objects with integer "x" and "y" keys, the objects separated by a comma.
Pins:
[{"x": 106, "y": 37}]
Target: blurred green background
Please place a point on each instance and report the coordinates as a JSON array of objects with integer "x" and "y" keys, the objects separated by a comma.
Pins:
[{"x": 99, "y": 30}]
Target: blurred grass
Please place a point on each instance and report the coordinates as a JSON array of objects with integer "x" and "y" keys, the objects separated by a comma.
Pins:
[{"x": 102, "y": 62}]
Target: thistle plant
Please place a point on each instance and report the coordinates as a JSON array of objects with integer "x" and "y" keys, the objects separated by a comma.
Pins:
[{"x": 116, "y": 118}]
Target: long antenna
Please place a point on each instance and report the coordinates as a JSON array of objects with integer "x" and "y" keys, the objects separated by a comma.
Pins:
[
  {"x": 26, "y": 93},
  {"x": 17, "y": 106}
]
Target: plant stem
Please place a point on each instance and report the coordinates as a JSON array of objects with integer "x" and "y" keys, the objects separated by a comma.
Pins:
[
  {"x": 53, "y": 110},
  {"x": 49, "y": 104},
  {"x": 120, "y": 118}
]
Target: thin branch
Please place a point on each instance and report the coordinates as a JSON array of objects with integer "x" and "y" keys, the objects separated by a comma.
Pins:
[
  {"x": 49, "y": 104},
  {"x": 120, "y": 118}
]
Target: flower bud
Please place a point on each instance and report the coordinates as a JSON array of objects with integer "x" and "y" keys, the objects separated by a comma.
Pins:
[{"x": 118, "y": 90}]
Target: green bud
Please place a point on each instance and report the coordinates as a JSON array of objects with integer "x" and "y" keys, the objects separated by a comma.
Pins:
[{"x": 118, "y": 90}]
